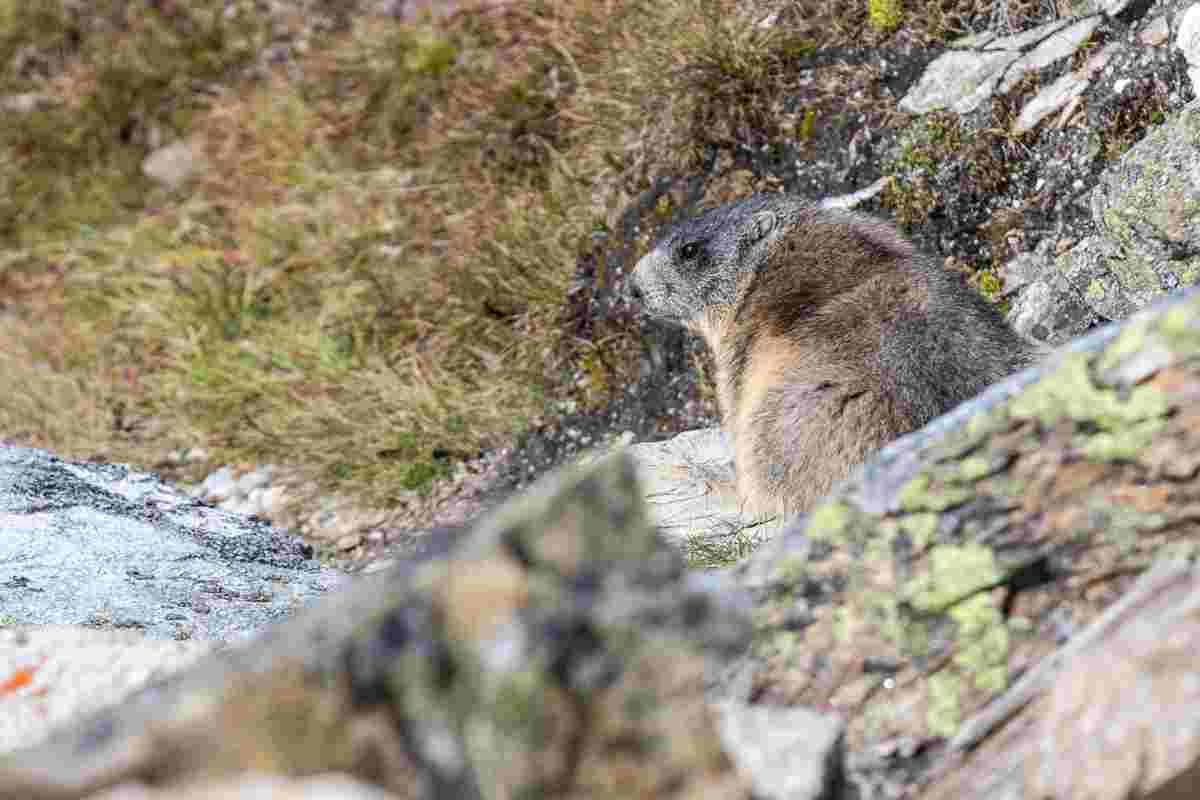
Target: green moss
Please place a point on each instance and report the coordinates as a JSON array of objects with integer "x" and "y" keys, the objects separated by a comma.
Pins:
[
  {"x": 883, "y": 15},
  {"x": 806, "y": 125},
  {"x": 988, "y": 283}
]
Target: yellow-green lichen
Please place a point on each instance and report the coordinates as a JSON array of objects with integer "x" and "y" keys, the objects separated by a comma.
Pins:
[
  {"x": 972, "y": 469},
  {"x": 1181, "y": 326},
  {"x": 956, "y": 583},
  {"x": 1182, "y": 550},
  {"x": 1129, "y": 342},
  {"x": 829, "y": 521},
  {"x": 919, "y": 495},
  {"x": 920, "y": 528},
  {"x": 953, "y": 573},
  {"x": 1125, "y": 444},
  {"x": 1070, "y": 394},
  {"x": 945, "y": 704},
  {"x": 844, "y": 624},
  {"x": 790, "y": 570},
  {"x": 983, "y": 642},
  {"x": 883, "y": 15}
]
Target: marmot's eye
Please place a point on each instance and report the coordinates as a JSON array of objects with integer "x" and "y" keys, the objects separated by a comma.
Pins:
[{"x": 689, "y": 251}]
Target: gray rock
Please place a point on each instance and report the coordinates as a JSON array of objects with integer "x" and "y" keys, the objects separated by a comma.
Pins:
[
  {"x": 1145, "y": 208},
  {"x": 1023, "y": 269},
  {"x": 985, "y": 64},
  {"x": 1111, "y": 285},
  {"x": 789, "y": 753},
  {"x": 1069, "y": 86},
  {"x": 1149, "y": 204},
  {"x": 103, "y": 546},
  {"x": 689, "y": 485},
  {"x": 1049, "y": 310}
]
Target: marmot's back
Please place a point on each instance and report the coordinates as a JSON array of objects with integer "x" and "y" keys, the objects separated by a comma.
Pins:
[{"x": 830, "y": 334}]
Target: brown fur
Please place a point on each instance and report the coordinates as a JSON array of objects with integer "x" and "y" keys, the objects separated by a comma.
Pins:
[{"x": 840, "y": 338}]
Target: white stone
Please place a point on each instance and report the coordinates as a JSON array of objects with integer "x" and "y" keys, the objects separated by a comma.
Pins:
[
  {"x": 981, "y": 65},
  {"x": 1187, "y": 39},
  {"x": 1050, "y": 99},
  {"x": 794, "y": 753},
  {"x": 72, "y": 671},
  {"x": 1057, "y": 46},
  {"x": 174, "y": 164}
]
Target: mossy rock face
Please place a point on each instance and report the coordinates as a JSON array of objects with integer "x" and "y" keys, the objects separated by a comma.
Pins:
[{"x": 929, "y": 578}]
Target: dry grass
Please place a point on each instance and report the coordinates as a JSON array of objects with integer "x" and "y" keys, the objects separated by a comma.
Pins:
[{"x": 367, "y": 278}]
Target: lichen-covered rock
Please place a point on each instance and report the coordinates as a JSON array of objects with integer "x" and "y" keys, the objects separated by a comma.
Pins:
[
  {"x": 558, "y": 651},
  {"x": 1149, "y": 205},
  {"x": 1111, "y": 715},
  {"x": 971, "y": 550},
  {"x": 1048, "y": 308}
]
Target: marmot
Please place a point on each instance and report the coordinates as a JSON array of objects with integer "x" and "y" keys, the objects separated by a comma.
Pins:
[{"x": 831, "y": 337}]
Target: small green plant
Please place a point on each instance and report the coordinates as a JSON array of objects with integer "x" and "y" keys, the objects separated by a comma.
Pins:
[
  {"x": 710, "y": 552},
  {"x": 883, "y": 15}
]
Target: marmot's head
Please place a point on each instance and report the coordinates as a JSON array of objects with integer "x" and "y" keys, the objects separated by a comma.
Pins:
[{"x": 701, "y": 264}]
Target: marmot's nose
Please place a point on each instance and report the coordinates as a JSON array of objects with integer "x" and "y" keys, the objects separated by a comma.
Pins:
[{"x": 635, "y": 292}]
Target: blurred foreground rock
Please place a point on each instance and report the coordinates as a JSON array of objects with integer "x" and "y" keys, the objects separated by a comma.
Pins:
[{"x": 559, "y": 651}]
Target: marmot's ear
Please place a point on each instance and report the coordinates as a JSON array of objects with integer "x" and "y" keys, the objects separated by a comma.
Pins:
[{"x": 761, "y": 224}]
